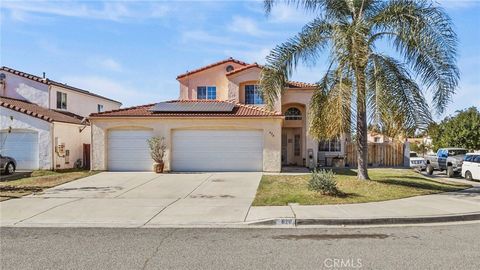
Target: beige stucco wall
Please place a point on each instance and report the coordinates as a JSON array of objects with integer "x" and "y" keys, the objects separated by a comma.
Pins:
[
  {"x": 70, "y": 135},
  {"x": 214, "y": 76},
  {"x": 271, "y": 128},
  {"x": 382, "y": 138},
  {"x": 22, "y": 88},
  {"x": 81, "y": 104},
  {"x": 238, "y": 81}
]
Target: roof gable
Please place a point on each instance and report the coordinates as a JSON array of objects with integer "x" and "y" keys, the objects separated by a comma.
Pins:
[
  {"x": 242, "y": 69},
  {"x": 52, "y": 82},
  {"x": 39, "y": 112},
  {"x": 211, "y": 66}
]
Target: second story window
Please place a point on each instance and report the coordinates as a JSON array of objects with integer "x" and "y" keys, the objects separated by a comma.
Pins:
[
  {"x": 207, "y": 92},
  {"x": 253, "y": 95},
  {"x": 99, "y": 108},
  {"x": 61, "y": 101}
]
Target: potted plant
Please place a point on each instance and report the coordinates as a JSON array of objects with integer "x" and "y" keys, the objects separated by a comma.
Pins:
[{"x": 157, "y": 152}]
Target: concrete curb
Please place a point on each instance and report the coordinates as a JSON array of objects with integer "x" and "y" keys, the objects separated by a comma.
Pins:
[{"x": 475, "y": 216}]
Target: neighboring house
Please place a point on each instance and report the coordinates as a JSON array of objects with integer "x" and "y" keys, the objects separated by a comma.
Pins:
[
  {"x": 220, "y": 123},
  {"x": 375, "y": 137},
  {"x": 43, "y": 122},
  {"x": 426, "y": 142}
]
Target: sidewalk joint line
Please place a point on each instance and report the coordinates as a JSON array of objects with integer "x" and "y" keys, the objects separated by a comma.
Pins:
[
  {"x": 293, "y": 212},
  {"x": 62, "y": 204},
  {"x": 198, "y": 185},
  {"x": 148, "y": 181},
  {"x": 248, "y": 212},
  {"x": 161, "y": 210}
]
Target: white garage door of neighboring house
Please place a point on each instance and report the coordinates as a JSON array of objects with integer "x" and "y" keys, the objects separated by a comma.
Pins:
[
  {"x": 217, "y": 150},
  {"x": 22, "y": 146},
  {"x": 127, "y": 150}
]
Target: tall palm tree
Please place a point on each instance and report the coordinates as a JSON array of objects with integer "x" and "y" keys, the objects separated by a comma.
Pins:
[{"x": 361, "y": 79}]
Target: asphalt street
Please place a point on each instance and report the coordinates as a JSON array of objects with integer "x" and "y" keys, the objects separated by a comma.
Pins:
[{"x": 421, "y": 247}]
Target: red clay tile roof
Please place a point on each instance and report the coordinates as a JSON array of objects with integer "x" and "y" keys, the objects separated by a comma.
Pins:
[
  {"x": 212, "y": 65},
  {"x": 293, "y": 84},
  {"x": 51, "y": 82},
  {"x": 240, "y": 110},
  {"x": 244, "y": 68},
  {"x": 290, "y": 84},
  {"x": 37, "y": 111}
]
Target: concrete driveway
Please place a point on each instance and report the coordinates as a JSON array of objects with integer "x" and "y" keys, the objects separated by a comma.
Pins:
[{"x": 132, "y": 199}]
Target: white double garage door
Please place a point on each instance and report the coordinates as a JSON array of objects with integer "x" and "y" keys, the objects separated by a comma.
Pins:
[
  {"x": 191, "y": 150},
  {"x": 22, "y": 146}
]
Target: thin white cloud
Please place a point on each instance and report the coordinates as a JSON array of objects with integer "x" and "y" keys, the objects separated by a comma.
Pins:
[
  {"x": 110, "y": 64},
  {"x": 114, "y": 11},
  {"x": 283, "y": 13},
  {"x": 245, "y": 25},
  {"x": 121, "y": 91},
  {"x": 50, "y": 46},
  {"x": 201, "y": 36}
]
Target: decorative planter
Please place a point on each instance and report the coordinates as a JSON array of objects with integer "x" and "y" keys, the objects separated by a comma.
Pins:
[{"x": 158, "y": 167}]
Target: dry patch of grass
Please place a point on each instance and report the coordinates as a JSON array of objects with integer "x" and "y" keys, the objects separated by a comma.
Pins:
[
  {"x": 38, "y": 181},
  {"x": 386, "y": 184}
]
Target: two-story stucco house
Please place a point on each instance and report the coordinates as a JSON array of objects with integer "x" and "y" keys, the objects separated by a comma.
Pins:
[
  {"x": 219, "y": 123},
  {"x": 43, "y": 123}
]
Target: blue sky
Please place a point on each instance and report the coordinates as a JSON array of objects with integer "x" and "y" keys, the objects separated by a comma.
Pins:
[{"x": 132, "y": 51}]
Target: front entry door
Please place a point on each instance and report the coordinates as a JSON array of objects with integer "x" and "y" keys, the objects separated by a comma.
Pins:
[{"x": 292, "y": 147}]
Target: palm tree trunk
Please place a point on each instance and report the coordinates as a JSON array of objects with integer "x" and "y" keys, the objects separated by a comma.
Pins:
[{"x": 362, "y": 144}]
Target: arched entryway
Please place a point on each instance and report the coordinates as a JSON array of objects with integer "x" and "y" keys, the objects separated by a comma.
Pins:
[{"x": 293, "y": 135}]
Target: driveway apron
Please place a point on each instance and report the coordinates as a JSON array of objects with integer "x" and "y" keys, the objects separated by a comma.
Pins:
[{"x": 132, "y": 199}]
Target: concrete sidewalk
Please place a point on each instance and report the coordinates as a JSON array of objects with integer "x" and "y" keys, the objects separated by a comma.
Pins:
[{"x": 451, "y": 206}]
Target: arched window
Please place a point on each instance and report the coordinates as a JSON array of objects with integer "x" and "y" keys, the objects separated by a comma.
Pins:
[{"x": 293, "y": 114}]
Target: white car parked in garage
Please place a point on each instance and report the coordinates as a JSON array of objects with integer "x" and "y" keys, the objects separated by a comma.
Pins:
[{"x": 471, "y": 166}]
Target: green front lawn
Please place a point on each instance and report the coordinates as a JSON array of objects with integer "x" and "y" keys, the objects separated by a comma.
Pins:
[
  {"x": 38, "y": 181},
  {"x": 386, "y": 184}
]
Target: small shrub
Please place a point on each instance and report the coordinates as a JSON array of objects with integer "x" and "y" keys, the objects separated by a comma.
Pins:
[
  {"x": 157, "y": 148},
  {"x": 324, "y": 182}
]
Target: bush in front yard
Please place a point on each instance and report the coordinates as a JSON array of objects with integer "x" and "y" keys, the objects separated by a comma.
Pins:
[{"x": 324, "y": 182}]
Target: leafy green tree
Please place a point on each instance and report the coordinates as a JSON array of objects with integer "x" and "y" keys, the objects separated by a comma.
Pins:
[
  {"x": 461, "y": 130},
  {"x": 362, "y": 80}
]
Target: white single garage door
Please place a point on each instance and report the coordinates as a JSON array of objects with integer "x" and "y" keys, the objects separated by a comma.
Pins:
[
  {"x": 217, "y": 150},
  {"x": 128, "y": 150},
  {"x": 22, "y": 146}
]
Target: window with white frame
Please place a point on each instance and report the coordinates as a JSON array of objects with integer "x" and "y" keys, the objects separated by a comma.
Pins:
[
  {"x": 61, "y": 100},
  {"x": 293, "y": 114},
  {"x": 99, "y": 107},
  {"x": 333, "y": 145},
  {"x": 253, "y": 94},
  {"x": 207, "y": 92}
]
